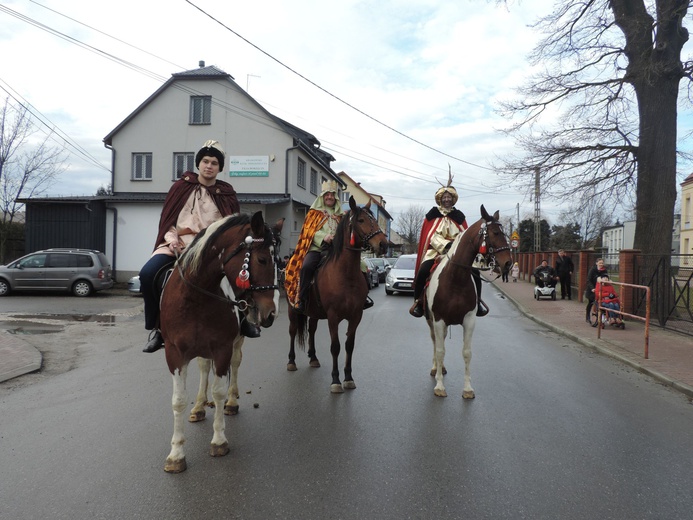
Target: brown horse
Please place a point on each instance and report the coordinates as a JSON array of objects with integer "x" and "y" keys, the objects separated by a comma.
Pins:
[
  {"x": 198, "y": 311},
  {"x": 451, "y": 297},
  {"x": 339, "y": 291}
]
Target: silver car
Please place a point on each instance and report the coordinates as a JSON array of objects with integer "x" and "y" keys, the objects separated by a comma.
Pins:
[
  {"x": 79, "y": 271},
  {"x": 401, "y": 275}
]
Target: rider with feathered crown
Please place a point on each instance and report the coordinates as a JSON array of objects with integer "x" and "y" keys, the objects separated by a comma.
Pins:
[{"x": 441, "y": 226}]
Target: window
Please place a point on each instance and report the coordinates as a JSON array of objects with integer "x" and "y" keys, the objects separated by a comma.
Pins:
[
  {"x": 200, "y": 110},
  {"x": 183, "y": 162},
  {"x": 345, "y": 196},
  {"x": 301, "y": 173},
  {"x": 313, "y": 181},
  {"x": 141, "y": 167}
]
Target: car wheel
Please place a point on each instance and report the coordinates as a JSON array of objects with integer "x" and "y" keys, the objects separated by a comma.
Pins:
[
  {"x": 4, "y": 287},
  {"x": 377, "y": 283},
  {"x": 81, "y": 288}
]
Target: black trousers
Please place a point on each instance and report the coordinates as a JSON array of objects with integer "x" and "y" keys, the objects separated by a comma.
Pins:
[{"x": 566, "y": 290}]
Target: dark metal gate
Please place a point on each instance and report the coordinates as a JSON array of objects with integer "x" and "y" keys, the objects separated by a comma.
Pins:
[{"x": 670, "y": 279}]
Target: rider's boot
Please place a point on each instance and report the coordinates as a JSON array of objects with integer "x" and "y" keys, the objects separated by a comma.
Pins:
[
  {"x": 417, "y": 310},
  {"x": 249, "y": 330},
  {"x": 368, "y": 304},
  {"x": 482, "y": 308},
  {"x": 156, "y": 341}
]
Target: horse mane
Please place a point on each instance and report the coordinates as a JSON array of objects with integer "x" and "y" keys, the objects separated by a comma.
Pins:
[{"x": 194, "y": 253}]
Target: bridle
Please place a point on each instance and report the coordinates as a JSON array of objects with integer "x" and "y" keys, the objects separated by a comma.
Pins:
[
  {"x": 243, "y": 278},
  {"x": 365, "y": 241},
  {"x": 485, "y": 259}
]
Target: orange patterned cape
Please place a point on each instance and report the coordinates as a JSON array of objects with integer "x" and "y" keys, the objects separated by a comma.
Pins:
[{"x": 314, "y": 221}]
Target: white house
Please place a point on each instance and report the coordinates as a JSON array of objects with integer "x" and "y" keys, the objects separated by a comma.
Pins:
[
  {"x": 620, "y": 236},
  {"x": 273, "y": 165}
]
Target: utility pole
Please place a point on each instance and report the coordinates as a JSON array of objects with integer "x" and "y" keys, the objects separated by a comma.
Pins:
[{"x": 537, "y": 212}]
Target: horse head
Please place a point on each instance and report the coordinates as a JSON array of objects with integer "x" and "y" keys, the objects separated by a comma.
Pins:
[
  {"x": 365, "y": 226},
  {"x": 494, "y": 243},
  {"x": 256, "y": 280}
]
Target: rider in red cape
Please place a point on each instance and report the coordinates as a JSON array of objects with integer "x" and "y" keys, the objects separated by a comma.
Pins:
[{"x": 440, "y": 228}]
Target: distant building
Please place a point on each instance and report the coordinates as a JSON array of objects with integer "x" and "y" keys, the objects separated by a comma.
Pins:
[
  {"x": 617, "y": 237},
  {"x": 686, "y": 219}
]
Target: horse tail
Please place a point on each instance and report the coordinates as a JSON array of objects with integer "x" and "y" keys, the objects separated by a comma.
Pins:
[{"x": 301, "y": 326}]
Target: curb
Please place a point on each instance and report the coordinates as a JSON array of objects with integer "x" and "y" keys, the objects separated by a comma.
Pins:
[{"x": 24, "y": 358}]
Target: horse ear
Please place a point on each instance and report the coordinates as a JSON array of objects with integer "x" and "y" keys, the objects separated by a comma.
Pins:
[
  {"x": 496, "y": 216},
  {"x": 352, "y": 203},
  {"x": 279, "y": 224},
  {"x": 368, "y": 205},
  {"x": 257, "y": 224},
  {"x": 484, "y": 214}
]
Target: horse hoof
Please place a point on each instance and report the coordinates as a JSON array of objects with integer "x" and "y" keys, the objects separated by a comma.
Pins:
[
  {"x": 231, "y": 409},
  {"x": 219, "y": 450},
  {"x": 349, "y": 385},
  {"x": 291, "y": 367},
  {"x": 197, "y": 416},
  {"x": 175, "y": 466},
  {"x": 468, "y": 394},
  {"x": 440, "y": 393},
  {"x": 315, "y": 363},
  {"x": 336, "y": 389}
]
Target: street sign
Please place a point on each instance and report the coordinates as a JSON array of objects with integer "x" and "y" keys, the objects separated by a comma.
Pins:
[{"x": 514, "y": 243}]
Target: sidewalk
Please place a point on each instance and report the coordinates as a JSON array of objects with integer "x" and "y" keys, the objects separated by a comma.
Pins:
[{"x": 670, "y": 354}]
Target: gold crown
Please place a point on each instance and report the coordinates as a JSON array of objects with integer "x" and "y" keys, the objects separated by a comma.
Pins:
[{"x": 329, "y": 186}]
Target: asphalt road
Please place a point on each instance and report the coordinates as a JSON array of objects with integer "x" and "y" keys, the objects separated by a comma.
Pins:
[{"x": 556, "y": 431}]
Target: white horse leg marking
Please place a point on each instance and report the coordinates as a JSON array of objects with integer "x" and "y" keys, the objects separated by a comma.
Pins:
[
  {"x": 175, "y": 462},
  {"x": 231, "y": 407},
  {"x": 438, "y": 332},
  {"x": 198, "y": 411},
  {"x": 220, "y": 446},
  {"x": 468, "y": 323}
]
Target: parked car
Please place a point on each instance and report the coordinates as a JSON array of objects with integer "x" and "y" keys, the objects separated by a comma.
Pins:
[
  {"x": 134, "y": 284},
  {"x": 80, "y": 271},
  {"x": 401, "y": 276},
  {"x": 382, "y": 268},
  {"x": 373, "y": 273}
]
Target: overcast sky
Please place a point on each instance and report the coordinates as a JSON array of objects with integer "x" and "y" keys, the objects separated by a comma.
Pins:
[{"x": 432, "y": 71}]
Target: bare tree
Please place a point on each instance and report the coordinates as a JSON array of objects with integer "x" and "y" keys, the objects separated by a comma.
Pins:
[
  {"x": 408, "y": 225},
  {"x": 592, "y": 214},
  {"x": 28, "y": 163},
  {"x": 610, "y": 72}
]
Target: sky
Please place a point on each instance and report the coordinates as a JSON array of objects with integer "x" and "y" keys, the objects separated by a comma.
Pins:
[{"x": 395, "y": 90}]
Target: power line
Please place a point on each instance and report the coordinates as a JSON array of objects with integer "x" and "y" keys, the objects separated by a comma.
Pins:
[{"x": 333, "y": 95}]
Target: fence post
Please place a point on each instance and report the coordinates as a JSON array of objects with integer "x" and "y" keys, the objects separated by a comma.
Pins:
[
  {"x": 582, "y": 274},
  {"x": 626, "y": 274}
]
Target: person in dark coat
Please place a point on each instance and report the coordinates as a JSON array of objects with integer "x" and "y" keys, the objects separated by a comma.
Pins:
[
  {"x": 596, "y": 271},
  {"x": 564, "y": 268}
]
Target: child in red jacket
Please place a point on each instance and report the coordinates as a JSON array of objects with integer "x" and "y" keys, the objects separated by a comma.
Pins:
[{"x": 609, "y": 299}]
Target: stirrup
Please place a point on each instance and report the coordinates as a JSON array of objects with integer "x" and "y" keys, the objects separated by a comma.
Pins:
[
  {"x": 482, "y": 308},
  {"x": 417, "y": 309},
  {"x": 368, "y": 304}
]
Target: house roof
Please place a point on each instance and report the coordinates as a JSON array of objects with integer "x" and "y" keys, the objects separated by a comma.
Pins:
[{"x": 687, "y": 180}]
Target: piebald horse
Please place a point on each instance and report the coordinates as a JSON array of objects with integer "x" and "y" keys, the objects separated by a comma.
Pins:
[
  {"x": 198, "y": 312},
  {"x": 339, "y": 291},
  {"x": 451, "y": 298}
]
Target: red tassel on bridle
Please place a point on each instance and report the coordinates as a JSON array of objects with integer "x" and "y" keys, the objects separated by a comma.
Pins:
[
  {"x": 352, "y": 240},
  {"x": 482, "y": 248},
  {"x": 243, "y": 280}
]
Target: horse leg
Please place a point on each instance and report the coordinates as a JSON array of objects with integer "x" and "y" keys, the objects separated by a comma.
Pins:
[
  {"x": 468, "y": 391},
  {"x": 349, "y": 350},
  {"x": 336, "y": 387},
  {"x": 220, "y": 446},
  {"x": 175, "y": 462},
  {"x": 434, "y": 367},
  {"x": 438, "y": 332},
  {"x": 231, "y": 407},
  {"x": 293, "y": 327},
  {"x": 312, "y": 327},
  {"x": 198, "y": 411}
]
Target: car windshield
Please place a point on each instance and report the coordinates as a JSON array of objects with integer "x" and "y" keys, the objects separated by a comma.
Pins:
[{"x": 405, "y": 262}]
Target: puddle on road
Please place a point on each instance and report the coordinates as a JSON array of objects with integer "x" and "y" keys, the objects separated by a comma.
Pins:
[
  {"x": 29, "y": 327},
  {"x": 18, "y": 326}
]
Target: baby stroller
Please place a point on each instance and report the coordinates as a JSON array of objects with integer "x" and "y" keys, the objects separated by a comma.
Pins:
[{"x": 547, "y": 287}]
